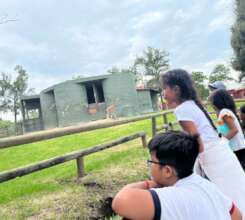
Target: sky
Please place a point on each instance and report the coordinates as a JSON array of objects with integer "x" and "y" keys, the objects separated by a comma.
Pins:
[{"x": 57, "y": 40}]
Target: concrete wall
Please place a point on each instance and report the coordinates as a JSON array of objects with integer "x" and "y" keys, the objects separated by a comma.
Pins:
[
  {"x": 155, "y": 100},
  {"x": 48, "y": 107},
  {"x": 72, "y": 106},
  {"x": 145, "y": 102},
  {"x": 120, "y": 91}
]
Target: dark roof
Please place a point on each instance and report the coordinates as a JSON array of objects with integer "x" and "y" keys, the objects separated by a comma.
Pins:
[
  {"x": 29, "y": 97},
  {"x": 79, "y": 80},
  {"x": 147, "y": 89}
]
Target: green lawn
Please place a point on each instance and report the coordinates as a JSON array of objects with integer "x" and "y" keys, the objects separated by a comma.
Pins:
[{"x": 48, "y": 179}]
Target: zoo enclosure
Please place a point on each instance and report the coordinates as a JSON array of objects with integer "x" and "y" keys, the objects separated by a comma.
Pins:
[{"x": 79, "y": 155}]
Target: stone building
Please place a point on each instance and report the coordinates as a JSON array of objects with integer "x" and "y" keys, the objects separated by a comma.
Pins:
[{"x": 86, "y": 99}]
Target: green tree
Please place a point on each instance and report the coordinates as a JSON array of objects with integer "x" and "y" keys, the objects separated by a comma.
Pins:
[
  {"x": 12, "y": 90},
  {"x": 130, "y": 69},
  {"x": 199, "y": 79},
  {"x": 153, "y": 62},
  {"x": 220, "y": 73},
  {"x": 238, "y": 38}
]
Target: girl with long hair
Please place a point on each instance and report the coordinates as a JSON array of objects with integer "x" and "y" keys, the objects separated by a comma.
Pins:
[
  {"x": 215, "y": 157},
  {"x": 228, "y": 123}
]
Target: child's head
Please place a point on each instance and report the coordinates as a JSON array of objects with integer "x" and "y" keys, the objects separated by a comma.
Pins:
[
  {"x": 178, "y": 86},
  {"x": 221, "y": 99},
  {"x": 174, "y": 154}
]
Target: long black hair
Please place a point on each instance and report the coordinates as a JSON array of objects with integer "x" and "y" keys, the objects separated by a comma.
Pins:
[
  {"x": 222, "y": 99},
  {"x": 182, "y": 79}
]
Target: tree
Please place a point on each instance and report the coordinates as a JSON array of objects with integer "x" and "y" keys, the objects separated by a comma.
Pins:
[
  {"x": 130, "y": 69},
  {"x": 12, "y": 90},
  {"x": 199, "y": 79},
  {"x": 238, "y": 39},
  {"x": 220, "y": 73},
  {"x": 153, "y": 62}
]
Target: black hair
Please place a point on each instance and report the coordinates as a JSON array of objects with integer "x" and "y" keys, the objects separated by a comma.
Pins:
[
  {"x": 182, "y": 79},
  {"x": 222, "y": 99},
  {"x": 242, "y": 109},
  {"x": 177, "y": 149}
]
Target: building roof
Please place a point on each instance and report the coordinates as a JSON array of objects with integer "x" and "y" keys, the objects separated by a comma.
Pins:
[
  {"x": 29, "y": 97},
  {"x": 79, "y": 80},
  {"x": 147, "y": 89},
  {"x": 236, "y": 90}
]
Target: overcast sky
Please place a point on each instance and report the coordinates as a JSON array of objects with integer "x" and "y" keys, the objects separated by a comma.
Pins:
[{"x": 56, "y": 39}]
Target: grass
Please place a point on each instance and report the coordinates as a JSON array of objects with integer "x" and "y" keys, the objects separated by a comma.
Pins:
[{"x": 54, "y": 180}]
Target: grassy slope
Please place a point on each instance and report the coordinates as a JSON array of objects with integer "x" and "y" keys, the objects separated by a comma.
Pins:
[{"x": 48, "y": 180}]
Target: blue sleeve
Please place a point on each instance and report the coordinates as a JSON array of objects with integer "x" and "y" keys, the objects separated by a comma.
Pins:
[{"x": 157, "y": 205}]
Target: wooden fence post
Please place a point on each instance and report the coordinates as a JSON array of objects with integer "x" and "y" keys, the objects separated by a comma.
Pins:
[
  {"x": 154, "y": 126},
  {"x": 171, "y": 126},
  {"x": 80, "y": 167},
  {"x": 144, "y": 141},
  {"x": 165, "y": 120}
]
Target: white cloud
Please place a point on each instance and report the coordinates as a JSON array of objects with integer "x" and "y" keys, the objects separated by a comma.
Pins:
[
  {"x": 221, "y": 5},
  {"x": 147, "y": 19},
  {"x": 222, "y": 21},
  {"x": 40, "y": 81},
  {"x": 182, "y": 16},
  {"x": 16, "y": 43},
  {"x": 206, "y": 67},
  {"x": 225, "y": 15}
]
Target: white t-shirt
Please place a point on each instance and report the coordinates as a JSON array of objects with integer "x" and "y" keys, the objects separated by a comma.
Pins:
[
  {"x": 191, "y": 198},
  {"x": 238, "y": 141},
  {"x": 189, "y": 111}
]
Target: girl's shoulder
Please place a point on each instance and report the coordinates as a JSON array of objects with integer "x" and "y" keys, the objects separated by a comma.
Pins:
[
  {"x": 226, "y": 112},
  {"x": 186, "y": 110},
  {"x": 186, "y": 105}
]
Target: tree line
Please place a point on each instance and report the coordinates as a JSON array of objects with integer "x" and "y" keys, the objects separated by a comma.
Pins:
[{"x": 153, "y": 62}]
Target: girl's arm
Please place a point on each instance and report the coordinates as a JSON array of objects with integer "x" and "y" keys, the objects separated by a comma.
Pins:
[
  {"x": 231, "y": 124},
  {"x": 191, "y": 128}
]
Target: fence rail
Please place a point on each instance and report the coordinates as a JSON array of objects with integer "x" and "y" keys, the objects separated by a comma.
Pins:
[
  {"x": 44, "y": 135},
  {"x": 78, "y": 155}
]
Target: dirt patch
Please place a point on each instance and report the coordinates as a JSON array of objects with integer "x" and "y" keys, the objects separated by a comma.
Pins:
[
  {"x": 103, "y": 209},
  {"x": 92, "y": 184}
]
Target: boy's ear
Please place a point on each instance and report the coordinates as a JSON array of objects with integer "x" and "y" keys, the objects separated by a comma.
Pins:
[{"x": 169, "y": 171}]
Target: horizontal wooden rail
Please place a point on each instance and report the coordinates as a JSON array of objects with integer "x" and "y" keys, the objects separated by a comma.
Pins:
[
  {"x": 11, "y": 174},
  {"x": 58, "y": 132}
]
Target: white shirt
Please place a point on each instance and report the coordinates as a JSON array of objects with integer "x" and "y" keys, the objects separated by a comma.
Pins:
[
  {"x": 189, "y": 111},
  {"x": 238, "y": 141},
  {"x": 192, "y": 198}
]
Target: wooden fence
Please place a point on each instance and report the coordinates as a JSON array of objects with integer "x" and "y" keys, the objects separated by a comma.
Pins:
[{"x": 76, "y": 155}]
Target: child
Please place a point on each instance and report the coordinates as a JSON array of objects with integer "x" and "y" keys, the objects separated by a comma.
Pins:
[
  {"x": 228, "y": 122},
  {"x": 242, "y": 116},
  {"x": 215, "y": 157},
  {"x": 175, "y": 192}
]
